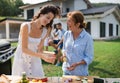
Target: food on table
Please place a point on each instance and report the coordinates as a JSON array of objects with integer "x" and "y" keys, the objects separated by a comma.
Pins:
[
  {"x": 34, "y": 80},
  {"x": 68, "y": 80},
  {"x": 85, "y": 80},
  {"x": 38, "y": 80},
  {"x": 44, "y": 79},
  {"x": 78, "y": 79}
]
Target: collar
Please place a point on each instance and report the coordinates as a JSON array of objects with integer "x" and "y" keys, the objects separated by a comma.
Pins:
[{"x": 82, "y": 33}]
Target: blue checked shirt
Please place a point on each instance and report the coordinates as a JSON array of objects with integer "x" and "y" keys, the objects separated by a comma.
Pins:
[{"x": 77, "y": 50}]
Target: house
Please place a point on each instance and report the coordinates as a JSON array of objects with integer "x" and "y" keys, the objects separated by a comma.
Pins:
[
  {"x": 102, "y": 22},
  {"x": 65, "y": 5},
  {"x": 10, "y": 27}
]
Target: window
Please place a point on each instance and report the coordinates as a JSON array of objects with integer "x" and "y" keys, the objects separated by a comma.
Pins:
[
  {"x": 102, "y": 29},
  {"x": 110, "y": 29},
  {"x": 67, "y": 9},
  {"x": 88, "y": 27},
  {"x": 30, "y": 13},
  {"x": 116, "y": 30}
]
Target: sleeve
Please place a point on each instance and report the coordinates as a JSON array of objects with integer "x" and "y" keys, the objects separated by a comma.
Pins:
[{"x": 89, "y": 51}]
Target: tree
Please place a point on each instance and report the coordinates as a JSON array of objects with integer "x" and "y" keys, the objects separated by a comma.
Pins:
[
  {"x": 18, "y": 3},
  {"x": 10, "y": 7}
]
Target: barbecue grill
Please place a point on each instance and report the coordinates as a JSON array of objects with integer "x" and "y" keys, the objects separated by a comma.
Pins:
[{"x": 6, "y": 53}]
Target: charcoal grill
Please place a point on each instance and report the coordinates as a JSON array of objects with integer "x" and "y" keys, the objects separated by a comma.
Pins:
[{"x": 6, "y": 53}]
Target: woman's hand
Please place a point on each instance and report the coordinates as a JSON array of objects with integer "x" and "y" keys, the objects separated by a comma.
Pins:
[
  {"x": 72, "y": 67},
  {"x": 49, "y": 57}
]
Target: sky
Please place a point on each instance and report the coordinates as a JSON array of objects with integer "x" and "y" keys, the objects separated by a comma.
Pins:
[
  {"x": 92, "y": 1},
  {"x": 33, "y": 1}
]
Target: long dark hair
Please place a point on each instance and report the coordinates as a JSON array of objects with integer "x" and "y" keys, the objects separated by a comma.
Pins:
[
  {"x": 45, "y": 10},
  {"x": 49, "y": 24}
]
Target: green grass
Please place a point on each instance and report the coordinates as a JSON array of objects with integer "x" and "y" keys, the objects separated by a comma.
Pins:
[
  {"x": 52, "y": 70},
  {"x": 106, "y": 62}
]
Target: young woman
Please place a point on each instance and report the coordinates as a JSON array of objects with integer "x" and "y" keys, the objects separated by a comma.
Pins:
[{"x": 29, "y": 52}]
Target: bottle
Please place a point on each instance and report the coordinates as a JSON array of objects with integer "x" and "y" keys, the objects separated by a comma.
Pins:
[
  {"x": 64, "y": 59},
  {"x": 65, "y": 62},
  {"x": 24, "y": 78}
]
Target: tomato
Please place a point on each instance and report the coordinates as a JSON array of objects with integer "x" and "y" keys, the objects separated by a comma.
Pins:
[{"x": 44, "y": 79}]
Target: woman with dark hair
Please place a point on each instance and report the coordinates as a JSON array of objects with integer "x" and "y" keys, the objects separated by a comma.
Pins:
[
  {"x": 77, "y": 46},
  {"x": 29, "y": 52}
]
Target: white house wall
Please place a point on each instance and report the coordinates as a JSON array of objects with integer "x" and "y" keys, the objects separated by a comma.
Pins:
[
  {"x": 74, "y": 5},
  {"x": 94, "y": 28},
  {"x": 95, "y": 25},
  {"x": 64, "y": 23},
  {"x": 110, "y": 19},
  {"x": 68, "y": 4},
  {"x": 36, "y": 9},
  {"x": 79, "y": 4},
  {"x": 25, "y": 13}
]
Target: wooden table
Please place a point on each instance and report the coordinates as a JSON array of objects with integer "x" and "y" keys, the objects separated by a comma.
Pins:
[{"x": 16, "y": 79}]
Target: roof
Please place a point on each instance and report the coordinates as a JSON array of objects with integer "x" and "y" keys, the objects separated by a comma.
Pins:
[
  {"x": 88, "y": 4},
  {"x": 13, "y": 19},
  {"x": 31, "y": 5},
  {"x": 97, "y": 10}
]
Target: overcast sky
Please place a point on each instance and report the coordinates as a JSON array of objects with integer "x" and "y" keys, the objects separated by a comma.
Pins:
[{"x": 92, "y": 1}]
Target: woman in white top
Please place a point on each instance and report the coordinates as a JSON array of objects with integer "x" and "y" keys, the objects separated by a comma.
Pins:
[{"x": 29, "y": 52}]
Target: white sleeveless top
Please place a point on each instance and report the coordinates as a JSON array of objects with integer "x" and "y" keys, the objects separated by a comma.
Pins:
[{"x": 25, "y": 63}]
